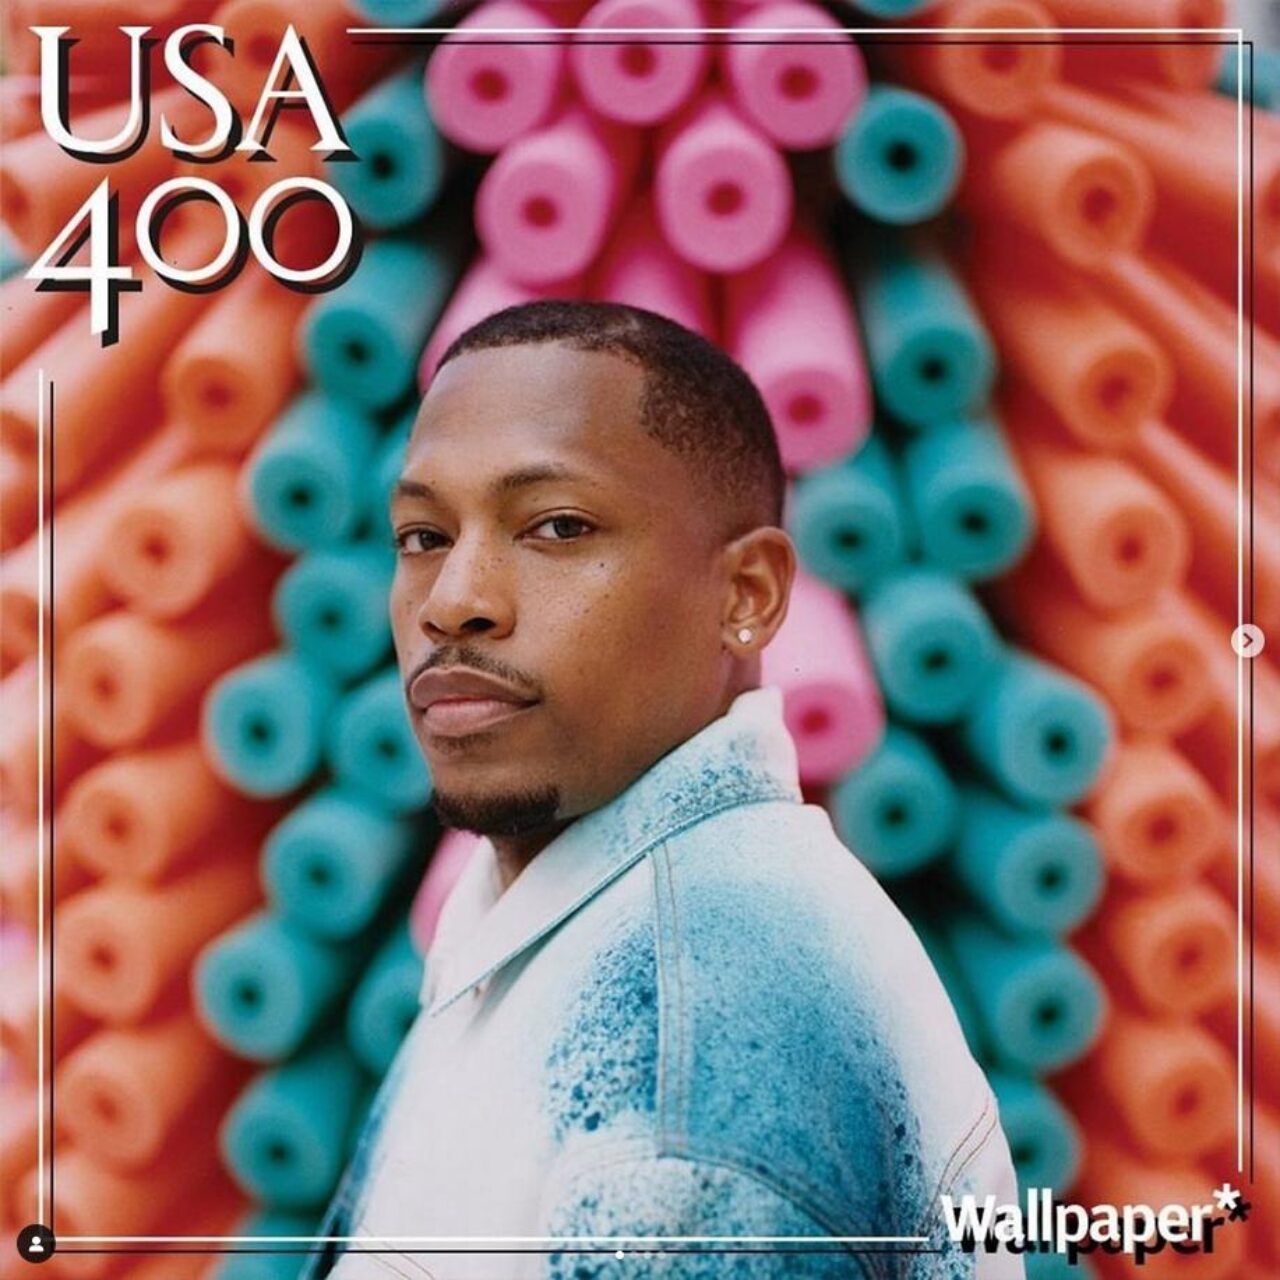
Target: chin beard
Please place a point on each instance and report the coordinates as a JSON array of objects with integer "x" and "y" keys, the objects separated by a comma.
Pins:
[{"x": 510, "y": 814}]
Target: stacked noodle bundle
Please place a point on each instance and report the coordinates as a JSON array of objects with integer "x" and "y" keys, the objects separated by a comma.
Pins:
[
  {"x": 1101, "y": 195},
  {"x": 1032, "y": 694}
]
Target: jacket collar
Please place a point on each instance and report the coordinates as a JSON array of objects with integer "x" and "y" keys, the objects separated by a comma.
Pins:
[{"x": 745, "y": 756}]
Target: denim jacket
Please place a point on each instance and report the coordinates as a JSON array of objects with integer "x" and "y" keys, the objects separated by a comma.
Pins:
[{"x": 694, "y": 1014}]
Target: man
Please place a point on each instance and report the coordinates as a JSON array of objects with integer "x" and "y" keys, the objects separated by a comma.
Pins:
[{"x": 664, "y": 1003}]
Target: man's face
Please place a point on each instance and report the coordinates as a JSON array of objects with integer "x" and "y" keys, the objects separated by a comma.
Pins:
[{"x": 546, "y": 540}]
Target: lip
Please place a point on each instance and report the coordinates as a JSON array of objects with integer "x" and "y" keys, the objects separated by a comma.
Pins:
[
  {"x": 456, "y": 701},
  {"x": 455, "y": 717}
]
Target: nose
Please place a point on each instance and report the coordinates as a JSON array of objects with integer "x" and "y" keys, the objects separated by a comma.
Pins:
[{"x": 469, "y": 595}]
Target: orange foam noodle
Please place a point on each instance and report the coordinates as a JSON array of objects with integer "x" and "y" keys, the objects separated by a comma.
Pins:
[
  {"x": 104, "y": 400},
  {"x": 1212, "y": 744},
  {"x": 73, "y": 547},
  {"x": 1196, "y": 179},
  {"x": 18, "y": 497},
  {"x": 1082, "y": 193},
  {"x": 65, "y": 1025},
  {"x": 1118, "y": 537},
  {"x": 1168, "y": 1081},
  {"x": 66, "y": 754},
  {"x": 20, "y": 870},
  {"x": 1260, "y": 1027},
  {"x": 1158, "y": 820},
  {"x": 125, "y": 1092},
  {"x": 94, "y": 1199},
  {"x": 1207, "y": 410},
  {"x": 1184, "y": 60},
  {"x": 1112, "y": 1174},
  {"x": 1261, "y": 871},
  {"x": 244, "y": 178},
  {"x": 175, "y": 544},
  {"x": 1174, "y": 949},
  {"x": 998, "y": 79},
  {"x": 19, "y": 107},
  {"x": 1102, "y": 374},
  {"x": 30, "y": 317},
  {"x": 233, "y": 373},
  {"x": 1145, "y": 662},
  {"x": 1209, "y": 499},
  {"x": 257, "y": 27},
  {"x": 121, "y": 947},
  {"x": 41, "y": 186},
  {"x": 124, "y": 677},
  {"x": 142, "y": 813},
  {"x": 18, "y": 1120}
]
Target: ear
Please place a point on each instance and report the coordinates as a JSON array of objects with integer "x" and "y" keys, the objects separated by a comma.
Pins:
[{"x": 760, "y": 567}]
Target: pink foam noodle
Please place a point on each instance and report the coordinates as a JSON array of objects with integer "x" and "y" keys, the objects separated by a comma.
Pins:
[
  {"x": 633, "y": 79},
  {"x": 789, "y": 324},
  {"x": 831, "y": 703},
  {"x": 483, "y": 291},
  {"x": 485, "y": 95},
  {"x": 801, "y": 95},
  {"x": 639, "y": 268},
  {"x": 451, "y": 856},
  {"x": 722, "y": 191},
  {"x": 547, "y": 203}
]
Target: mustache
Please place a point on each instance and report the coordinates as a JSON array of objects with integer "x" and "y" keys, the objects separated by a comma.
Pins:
[{"x": 462, "y": 656}]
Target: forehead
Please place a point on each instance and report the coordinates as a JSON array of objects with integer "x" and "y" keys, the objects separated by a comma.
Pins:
[{"x": 496, "y": 409}]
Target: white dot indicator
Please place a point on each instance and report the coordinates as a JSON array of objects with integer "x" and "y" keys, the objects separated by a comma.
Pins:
[
  {"x": 620, "y": 1255},
  {"x": 1248, "y": 640}
]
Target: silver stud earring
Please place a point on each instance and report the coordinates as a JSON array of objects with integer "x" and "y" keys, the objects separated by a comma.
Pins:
[{"x": 744, "y": 635}]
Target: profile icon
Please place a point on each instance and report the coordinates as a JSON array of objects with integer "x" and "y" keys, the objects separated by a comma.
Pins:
[{"x": 36, "y": 1243}]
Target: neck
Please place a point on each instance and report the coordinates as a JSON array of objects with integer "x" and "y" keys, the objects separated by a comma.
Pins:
[{"x": 514, "y": 853}]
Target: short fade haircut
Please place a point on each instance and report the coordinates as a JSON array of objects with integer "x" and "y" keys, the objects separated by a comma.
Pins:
[{"x": 696, "y": 401}]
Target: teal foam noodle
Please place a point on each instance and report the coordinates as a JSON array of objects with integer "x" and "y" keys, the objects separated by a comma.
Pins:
[
  {"x": 945, "y": 966},
  {"x": 284, "y": 1139},
  {"x": 293, "y": 1230},
  {"x": 1040, "y": 734},
  {"x": 849, "y": 520},
  {"x": 330, "y": 864},
  {"x": 1031, "y": 870},
  {"x": 12, "y": 257},
  {"x": 1040, "y": 1005},
  {"x": 263, "y": 986},
  {"x": 304, "y": 482},
  {"x": 1055, "y": 1266},
  {"x": 901, "y": 158},
  {"x": 1044, "y": 1139},
  {"x": 932, "y": 643},
  {"x": 372, "y": 747},
  {"x": 398, "y": 13},
  {"x": 973, "y": 511},
  {"x": 1264, "y": 82},
  {"x": 897, "y": 809},
  {"x": 399, "y": 167},
  {"x": 881, "y": 8},
  {"x": 362, "y": 342},
  {"x": 385, "y": 1002},
  {"x": 387, "y": 465},
  {"x": 931, "y": 359},
  {"x": 330, "y": 607},
  {"x": 263, "y": 723}
]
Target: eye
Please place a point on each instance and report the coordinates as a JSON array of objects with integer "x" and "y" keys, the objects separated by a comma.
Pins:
[
  {"x": 426, "y": 540},
  {"x": 566, "y": 528}
]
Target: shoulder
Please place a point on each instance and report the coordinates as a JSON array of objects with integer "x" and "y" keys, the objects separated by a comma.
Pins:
[{"x": 804, "y": 1029}]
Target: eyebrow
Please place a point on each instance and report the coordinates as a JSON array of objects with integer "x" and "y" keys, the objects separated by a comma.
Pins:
[{"x": 507, "y": 483}]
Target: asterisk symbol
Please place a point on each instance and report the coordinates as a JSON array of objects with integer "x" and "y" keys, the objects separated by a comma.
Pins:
[{"x": 1227, "y": 1196}]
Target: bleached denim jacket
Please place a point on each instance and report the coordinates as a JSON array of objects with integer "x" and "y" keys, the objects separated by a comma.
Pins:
[{"x": 694, "y": 1014}]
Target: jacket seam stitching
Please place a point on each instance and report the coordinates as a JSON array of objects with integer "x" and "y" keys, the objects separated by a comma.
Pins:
[{"x": 624, "y": 865}]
